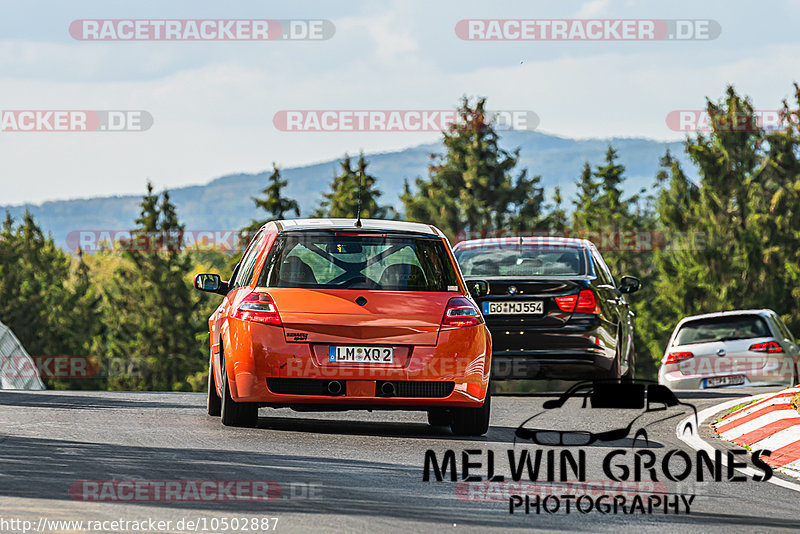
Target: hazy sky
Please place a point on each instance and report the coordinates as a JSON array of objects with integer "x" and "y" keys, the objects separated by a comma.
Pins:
[{"x": 213, "y": 103}]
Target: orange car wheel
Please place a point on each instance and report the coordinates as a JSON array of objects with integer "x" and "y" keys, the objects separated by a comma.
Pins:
[
  {"x": 214, "y": 403},
  {"x": 438, "y": 417},
  {"x": 472, "y": 421},
  {"x": 235, "y": 413}
]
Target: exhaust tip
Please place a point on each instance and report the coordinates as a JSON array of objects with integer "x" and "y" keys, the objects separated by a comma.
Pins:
[
  {"x": 335, "y": 387},
  {"x": 388, "y": 389}
]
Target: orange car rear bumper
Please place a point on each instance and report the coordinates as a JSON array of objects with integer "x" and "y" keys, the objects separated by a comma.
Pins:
[{"x": 461, "y": 356}]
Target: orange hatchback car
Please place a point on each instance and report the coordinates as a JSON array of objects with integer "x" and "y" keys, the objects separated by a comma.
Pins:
[{"x": 327, "y": 314}]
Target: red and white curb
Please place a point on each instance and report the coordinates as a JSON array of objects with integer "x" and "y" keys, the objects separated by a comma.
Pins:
[
  {"x": 771, "y": 423},
  {"x": 687, "y": 432}
]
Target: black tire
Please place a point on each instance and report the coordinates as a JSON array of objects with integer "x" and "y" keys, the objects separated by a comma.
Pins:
[
  {"x": 613, "y": 372},
  {"x": 630, "y": 374},
  {"x": 471, "y": 421},
  {"x": 438, "y": 417},
  {"x": 235, "y": 413},
  {"x": 214, "y": 403}
]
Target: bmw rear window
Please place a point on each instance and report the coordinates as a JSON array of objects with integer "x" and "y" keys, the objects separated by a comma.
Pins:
[
  {"x": 722, "y": 329},
  {"x": 349, "y": 260},
  {"x": 523, "y": 260}
]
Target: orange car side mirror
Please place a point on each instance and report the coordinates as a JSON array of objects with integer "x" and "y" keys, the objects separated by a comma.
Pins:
[{"x": 210, "y": 283}]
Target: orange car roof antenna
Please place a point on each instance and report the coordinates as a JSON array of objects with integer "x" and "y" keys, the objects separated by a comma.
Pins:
[{"x": 358, "y": 217}]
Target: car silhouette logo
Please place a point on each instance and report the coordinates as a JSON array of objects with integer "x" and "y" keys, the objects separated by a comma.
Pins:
[{"x": 606, "y": 394}]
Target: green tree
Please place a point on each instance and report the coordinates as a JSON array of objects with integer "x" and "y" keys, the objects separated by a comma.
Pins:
[
  {"x": 557, "y": 218},
  {"x": 47, "y": 298},
  {"x": 471, "y": 186},
  {"x": 586, "y": 213},
  {"x": 600, "y": 204},
  {"x": 733, "y": 241},
  {"x": 273, "y": 203},
  {"x": 778, "y": 212},
  {"x": 343, "y": 198},
  {"x": 615, "y": 222},
  {"x": 151, "y": 305},
  {"x": 674, "y": 241}
]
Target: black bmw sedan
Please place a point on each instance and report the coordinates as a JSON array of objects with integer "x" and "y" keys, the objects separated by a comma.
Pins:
[{"x": 552, "y": 306}]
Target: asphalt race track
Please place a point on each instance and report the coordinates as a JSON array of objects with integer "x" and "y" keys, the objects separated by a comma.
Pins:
[{"x": 341, "y": 472}]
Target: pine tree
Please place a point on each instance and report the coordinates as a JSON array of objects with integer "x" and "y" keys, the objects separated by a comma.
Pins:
[
  {"x": 471, "y": 186},
  {"x": 46, "y": 298},
  {"x": 603, "y": 214},
  {"x": 151, "y": 305},
  {"x": 678, "y": 196},
  {"x": 557, "y": 216},
  {"x": 585, "y": 215},
  {"x": 600, "y": 205},
  {"x": 274, "y": 204},
  {"x": 778, "y": 213},
  {"x": 343, "y": 198}
]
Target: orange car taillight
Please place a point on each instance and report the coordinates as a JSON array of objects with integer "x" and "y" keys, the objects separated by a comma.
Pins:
[
  {"x": 767, "y": 346},
  {"x": 677, "y": 357},
  {"x": 258, "y": 308},
  {"x": 583, "y": 302},
  {"x": 460, "y": 313}
]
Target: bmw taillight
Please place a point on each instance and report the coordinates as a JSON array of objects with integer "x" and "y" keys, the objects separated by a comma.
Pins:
[
  {"x": 677, "y": 357},
  {"x": 767, "y": 346},
  {"x": 258, "y": 308},
  {"x": 583, "y": 302},
  {"x": 460, "y": 313},
  {"x": 587, "y": 303},
  {"x": 566, "y": 303}
]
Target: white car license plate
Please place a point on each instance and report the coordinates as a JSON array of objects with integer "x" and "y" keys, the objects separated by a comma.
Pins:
[
  {"x": 717, "y": 381},
  {"x": 349, "y": 354},
  {"x": 513, "y": 307}
]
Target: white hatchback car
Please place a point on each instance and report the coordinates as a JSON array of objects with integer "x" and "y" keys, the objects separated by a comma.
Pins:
[{"x": 732, "y": 348}]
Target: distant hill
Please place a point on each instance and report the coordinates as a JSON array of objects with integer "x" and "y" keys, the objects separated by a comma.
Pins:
[{"x": 225, "y": 202}]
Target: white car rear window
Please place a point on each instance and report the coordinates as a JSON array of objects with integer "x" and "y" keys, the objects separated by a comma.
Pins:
[{"x": 722, "y": 329}]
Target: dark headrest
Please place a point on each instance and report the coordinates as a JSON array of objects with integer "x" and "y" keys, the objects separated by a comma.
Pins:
[
  {"x": 403, "y": 276},
  {"x": 296, "y": 271}
]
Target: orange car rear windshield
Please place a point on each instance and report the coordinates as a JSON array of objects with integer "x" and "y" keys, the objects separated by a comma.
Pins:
[{"x": 380, "y": 262}]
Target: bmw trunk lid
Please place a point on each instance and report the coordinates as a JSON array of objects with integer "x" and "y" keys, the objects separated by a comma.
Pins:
[{"x": 514, "y": 303}]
